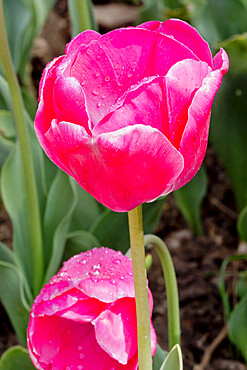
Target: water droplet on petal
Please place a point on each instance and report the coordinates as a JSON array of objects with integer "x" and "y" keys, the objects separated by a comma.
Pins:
[
  {"x": 117, "y": 261},
  {"x": 79, "y": 367},
  {"x": 94, "y": 92},
  {"x": 113, "y": 282},
  {"x": 81, "y": 356},
  {"x": 129, "y": 73},
  {"x": 103, "y": 96},
  {"x": 97, "y": 74},
  {"x": 83, "y": 262},
  {"x": 95, "y": 272},
  {"x": 79, "y": 348},
  {"x": 122, "y": 277}
]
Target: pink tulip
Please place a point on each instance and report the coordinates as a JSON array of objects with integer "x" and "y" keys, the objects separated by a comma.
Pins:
[
  {"x": 127, "y": 113},
  {"x": 85, "y": 318}
]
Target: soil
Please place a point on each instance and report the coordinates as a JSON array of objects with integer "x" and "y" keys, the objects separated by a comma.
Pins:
[{"x": 197, "y": 259}]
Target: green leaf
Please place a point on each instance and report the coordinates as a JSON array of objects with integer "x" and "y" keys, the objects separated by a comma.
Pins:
[
  {"x": 61, "y": 203},
  {"x": 237, "y": 328},
  {"x": 241, "y": 287},
  {"x": 6, "y": 254},
  {"x": 218, "y": 20},
  {"x": 7, "y": 135},
  {"x": 174, "y": 359},
  {"x": 158, "y": 358},
  {"x": 15, "y": 201},
  {"x": 242, "y": 224},
  {"x": 111, "y": 228},
  {"x": 15, "y": 358},
  {"x": 228, "y": 126},
  {"x": 13, "y": 299},
  {"x": 189, "y": 200},
  {"x": 77, "y": 242},
  {"x": 87, "y": 210},
  {"x": 24, "y": 19},
  {"x": 78, "y": 19}
]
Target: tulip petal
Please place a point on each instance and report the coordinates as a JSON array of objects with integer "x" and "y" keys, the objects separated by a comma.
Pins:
[
  {"x": 127, "y": 161},
  {"x": 183, "y": 33},
  {"x": 106, "y": 274},
  {"x": 116, "y": 330},
  {"x": 221, "y": 61},
  {"x": 69, "y": 102},
  {"x": 45, "y": 113},
  {"x": 108, "y": 67},
  {"x": 143, "y": 104},
  {"x": 182, "y": 82},
  {"x": 194, "y": 140},
  {"x": 83, "y": 38}
]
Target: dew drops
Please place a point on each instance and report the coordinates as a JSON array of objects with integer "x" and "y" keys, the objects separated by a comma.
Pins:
[
  {"x": 130, "y": 73},
  {"x": 113, "y": 282},
  {"x": 95, "y": 92},
  {"x": 83, "y": 262},
  {"x": 79, "y": 367},
  {"x": 103, "y": 96},
  {"x": 97, "y": 74},
  {"x": 122, "y": 278},
  {"x": 79, "y": 348},
  {"x": 94, "y": 280},
  {"x": 83, "y": 83},
  {"x": 81, "y": 356},
  {"x": 96, "y": 266},
  {"x": 99, "y": 104},
  {"x": 117, "y": 261},
  {"x": 95, "y": 272}
]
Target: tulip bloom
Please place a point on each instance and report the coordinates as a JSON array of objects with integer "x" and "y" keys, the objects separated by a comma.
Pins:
[
  {"x": 85, "y": 318},
  {"x": 127, "y": 113}
]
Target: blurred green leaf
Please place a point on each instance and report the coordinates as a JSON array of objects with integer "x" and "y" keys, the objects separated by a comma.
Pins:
[
  {"x": 77, "y": 242},
  {"x": 15, "y": 201},
  {"x": 79, "y": 19},
  {"x": 151, "y": 10},
  {"x": 174, "y": 359},
  {"x": 15, "y": 358},
  {"x": 111, "y": 228},
  {"x": 7, "y": 134},
  {"x": 190, "y": 197},
  {"x": 242, "y": 224},
  {"x": 241, "y": 287},
  {"x": 237, "y": 328},
  {"x": 60, "y": 205},
  {"x": 228, "y": 128},
  {"x": 13, "y": 298},
  {"x": 218, "y": 20},
  {"x": 24, "y": 19},
  {"x": 87, "y": 210},
  {"x": 158, "y": 358},
  {"x": 6, "y": 254}
]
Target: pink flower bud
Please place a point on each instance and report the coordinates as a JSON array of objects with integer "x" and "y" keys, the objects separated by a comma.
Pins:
[
  {"x": 127, "y": 113},
  {"x": 85, "y": 317}
]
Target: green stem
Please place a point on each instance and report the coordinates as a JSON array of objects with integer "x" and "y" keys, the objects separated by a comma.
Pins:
[
  {"x": 26, "y": 156},
  {"x": 171, "y": 288},
  {"x": 141, "y": 292}
]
